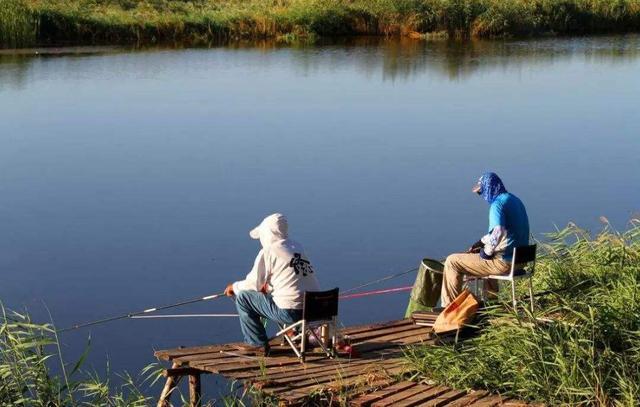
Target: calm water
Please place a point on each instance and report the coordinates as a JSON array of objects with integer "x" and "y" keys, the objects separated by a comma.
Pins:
[{"x": 131, "y": 179}]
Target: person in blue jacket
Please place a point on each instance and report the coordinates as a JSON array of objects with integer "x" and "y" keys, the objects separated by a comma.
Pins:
[{"x": 491, "y": 255}]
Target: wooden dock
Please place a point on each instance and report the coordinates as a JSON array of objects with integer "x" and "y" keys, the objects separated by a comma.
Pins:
[{"x": 370, "y": 376}]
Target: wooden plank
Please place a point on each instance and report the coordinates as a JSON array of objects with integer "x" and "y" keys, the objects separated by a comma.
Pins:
[
  {"x": 322, "y": 363},
  {"x": 424, "y": 398},
  {"x": 469, "y": 398},
  {"x": 489, "y": 401},
  {"x": 445, "y": 398},
  {"x": 367, "y": 399},
  {"x": 372, "y": 327},
  {"x": 392, "y": 400},
  {"x": 180, "y": 371},
  {"x": 328, "y": 380},
  {"x": 300, "y": 394},
  {"x": 411, "y": 330},
  {"x": 347, "y": 371},
  {"x": 382, "y": 332},
  {"x": 168, "y": 354},
  {"x": 398, "y": 339},
  {"x": 355, "y": 393},
  {"x": 304, "y": 371},
  {"x": 240, "y": 364},
  {"x": 379, "y": 344}
]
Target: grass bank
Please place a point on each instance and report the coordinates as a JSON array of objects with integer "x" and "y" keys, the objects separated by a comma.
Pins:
[
  {"x": 589, "y": 352},
  {"x": 203, "y": 21}
]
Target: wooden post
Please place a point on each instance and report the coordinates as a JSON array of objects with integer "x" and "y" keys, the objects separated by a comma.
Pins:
[
  {"x": 195, "y": 394},
  {"x": 169, "y": 386}
]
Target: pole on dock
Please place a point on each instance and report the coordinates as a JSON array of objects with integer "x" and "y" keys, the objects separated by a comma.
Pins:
[
  {"x": 169, "y": 387},
  {"x": 195, "y": 394}
]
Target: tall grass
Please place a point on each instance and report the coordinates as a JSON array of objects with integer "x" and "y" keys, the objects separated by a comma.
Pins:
[
  {"x": 198, "y": 21},
  {"x": 27, "y": 354},
  {"x": 18, "y": 25},
  {"x": 582, "y": 347}
]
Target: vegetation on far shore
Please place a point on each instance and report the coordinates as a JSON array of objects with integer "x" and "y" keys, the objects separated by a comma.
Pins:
[
  {"x": 28, "y": 22},
  {"x": 584, "y": 348}
]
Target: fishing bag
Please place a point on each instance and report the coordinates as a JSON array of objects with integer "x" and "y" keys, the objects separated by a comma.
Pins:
[
  {"x": 426, "y": 290},
  {"x": 457, "y": 314}
]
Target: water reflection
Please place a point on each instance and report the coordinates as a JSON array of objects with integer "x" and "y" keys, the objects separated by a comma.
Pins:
[{"x": 397, "y": 59}]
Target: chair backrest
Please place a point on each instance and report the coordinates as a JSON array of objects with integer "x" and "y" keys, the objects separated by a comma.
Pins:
[
  {"x": 320, "y": 305},
  {"x": 521, "y": 256},
  {"x": 524, "y": 254}
]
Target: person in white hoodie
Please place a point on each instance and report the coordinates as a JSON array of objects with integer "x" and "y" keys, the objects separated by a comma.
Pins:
[{"x": 274, "y": 288}]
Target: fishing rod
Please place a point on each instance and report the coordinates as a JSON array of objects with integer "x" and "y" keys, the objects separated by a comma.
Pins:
[
  {"x": 136, "y": 314},
  {"x": 140, "y": 314},
  {"x": 376, "y": 292},
  {"x": 184, "y": 316},
  {"x": 380, "y": 280}
]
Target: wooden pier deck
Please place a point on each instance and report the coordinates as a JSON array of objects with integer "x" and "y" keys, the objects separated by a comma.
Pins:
[{"x": 370, "y": 376}]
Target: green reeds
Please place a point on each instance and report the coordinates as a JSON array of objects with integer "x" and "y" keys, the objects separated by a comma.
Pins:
[
  {"x": 203, "y": 21},
  {"x": 27, "y": 354},
  {"x": 583, "y": 345},
  {"x": 18, "y": 26}
]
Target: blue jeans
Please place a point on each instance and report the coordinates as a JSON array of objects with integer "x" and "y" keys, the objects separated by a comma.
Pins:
[{"x": 252, "y": 305}]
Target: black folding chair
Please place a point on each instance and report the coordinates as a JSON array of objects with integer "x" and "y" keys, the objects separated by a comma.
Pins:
[{"x": 319, "y": 308}]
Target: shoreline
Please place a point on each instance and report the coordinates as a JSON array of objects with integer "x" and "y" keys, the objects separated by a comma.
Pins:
[{"x": 25, "y": 23}]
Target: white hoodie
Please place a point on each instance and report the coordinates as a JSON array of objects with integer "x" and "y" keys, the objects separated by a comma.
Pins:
[{"x": 281, "y": 264}]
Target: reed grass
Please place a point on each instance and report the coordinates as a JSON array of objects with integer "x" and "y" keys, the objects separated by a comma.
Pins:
[
  {"x": 202, "y": 21},
  {"x": 28, "y": 352},
  {"x": 18, "y": 24},
  {"x": 583, "y": 345}
]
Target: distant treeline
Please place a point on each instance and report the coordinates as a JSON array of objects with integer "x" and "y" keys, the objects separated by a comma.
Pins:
[{"x": 29, "y": 22}]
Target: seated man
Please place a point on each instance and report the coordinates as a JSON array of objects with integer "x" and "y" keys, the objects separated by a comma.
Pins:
[
  {"x": 491, "y": 255},
  {"x": 275, "y": 287}
]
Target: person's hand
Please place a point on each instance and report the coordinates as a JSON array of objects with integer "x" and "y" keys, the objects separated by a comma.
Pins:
[
  {"x": 475, "y": 248},
  {"x": 229, "y": 291}
]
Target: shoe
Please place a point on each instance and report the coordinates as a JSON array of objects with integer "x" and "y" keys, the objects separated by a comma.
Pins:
[{"x": 258, "y": 350}]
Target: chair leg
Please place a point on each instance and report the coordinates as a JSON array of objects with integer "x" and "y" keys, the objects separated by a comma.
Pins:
[
  {"x": 334, "y": 337},
  {"x": 513, "y": 293},
  {"x": 303, "y": 340},
  {"x": 531, "y": 292}
]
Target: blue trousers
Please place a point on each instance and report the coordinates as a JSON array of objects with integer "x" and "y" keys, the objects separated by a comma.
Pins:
[{"x": 253, "y": 305}]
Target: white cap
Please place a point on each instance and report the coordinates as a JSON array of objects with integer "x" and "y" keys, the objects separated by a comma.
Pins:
[{"x": 274, "y": 224}]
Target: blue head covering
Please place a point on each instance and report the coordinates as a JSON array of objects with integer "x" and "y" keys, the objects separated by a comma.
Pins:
[{"x": 491, "y": 186}]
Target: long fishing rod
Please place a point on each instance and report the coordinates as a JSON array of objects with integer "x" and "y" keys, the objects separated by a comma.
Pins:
[
  {"x": 380, "y": 280},
  {"x": 137, "y": 315},
  {"x": 146, "y": 311},
  {"x": 184, "y": 316},
  {"x": 376, "y": 292}
]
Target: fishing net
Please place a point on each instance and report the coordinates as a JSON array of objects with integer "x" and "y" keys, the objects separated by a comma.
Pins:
[{"x": 426, "y": 290}]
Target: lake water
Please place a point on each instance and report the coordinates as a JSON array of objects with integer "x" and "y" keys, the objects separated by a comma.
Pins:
[{"x": 131, "y": 179}]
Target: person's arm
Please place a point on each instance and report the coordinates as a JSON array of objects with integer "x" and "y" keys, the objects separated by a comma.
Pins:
[
  {"x": 493, "y": 241},
  {"x": 255, "y": 280}
]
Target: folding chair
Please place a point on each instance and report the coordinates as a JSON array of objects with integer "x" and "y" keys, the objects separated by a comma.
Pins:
[
  {"x": 522, "y": 256},
  {"x": 319, "y": 308}
]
